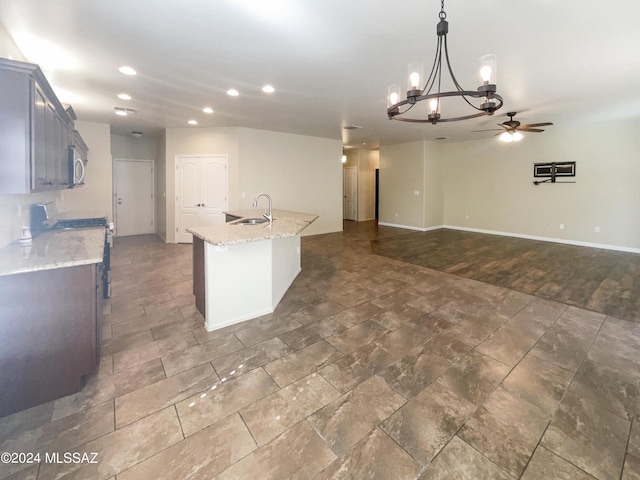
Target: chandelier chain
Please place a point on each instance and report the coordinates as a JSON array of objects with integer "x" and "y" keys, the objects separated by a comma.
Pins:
[{"x": 442, "y": 13}]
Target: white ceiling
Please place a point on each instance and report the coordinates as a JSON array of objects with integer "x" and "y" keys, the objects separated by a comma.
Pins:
[{"x": 329, "y": 60}]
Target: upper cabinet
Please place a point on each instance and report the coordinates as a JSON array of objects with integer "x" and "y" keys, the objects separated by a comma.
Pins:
[{"x": 36, "y": 132}]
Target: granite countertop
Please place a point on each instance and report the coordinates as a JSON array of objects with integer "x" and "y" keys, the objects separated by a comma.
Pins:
[
  {"x": 54, "y": 249},
  {"x": 285, "y": 224}
]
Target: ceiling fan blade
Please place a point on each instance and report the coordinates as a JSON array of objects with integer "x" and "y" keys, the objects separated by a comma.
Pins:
[
  {"x": 488, "y": 130},
  {"x": 527, "y": 129},
  {"x": 543, "y": 124}
]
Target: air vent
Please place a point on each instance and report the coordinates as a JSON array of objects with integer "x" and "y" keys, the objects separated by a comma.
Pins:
[
  {"x": 441, "y": 138},
  {"x": 352, "y": 127},
  {"x": 125, "y": 110}
]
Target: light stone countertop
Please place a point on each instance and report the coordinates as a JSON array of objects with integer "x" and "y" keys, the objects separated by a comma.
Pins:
[
  {"x": 54, "y": 249},
  {"x": 285, "y": 224}
]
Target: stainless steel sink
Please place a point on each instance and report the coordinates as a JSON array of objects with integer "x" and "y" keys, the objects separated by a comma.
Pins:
[{"x": 250, "y": 221}]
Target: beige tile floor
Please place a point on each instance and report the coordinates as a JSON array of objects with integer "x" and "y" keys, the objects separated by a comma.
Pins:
[{"x": 369, "y": 368}]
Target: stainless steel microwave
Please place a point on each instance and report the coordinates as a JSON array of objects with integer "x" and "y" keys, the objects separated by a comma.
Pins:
[{"x": 76, "y": 168}]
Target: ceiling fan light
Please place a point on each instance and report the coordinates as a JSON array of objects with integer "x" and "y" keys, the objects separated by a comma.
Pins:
[
  {"x": 517, "y": 136},
  {"x": 506, "y": 137}
]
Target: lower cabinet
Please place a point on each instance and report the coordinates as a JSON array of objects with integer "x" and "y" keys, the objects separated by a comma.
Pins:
[
  {"x": 198, "y": 274},
  {"x": 50, "y": 333}
]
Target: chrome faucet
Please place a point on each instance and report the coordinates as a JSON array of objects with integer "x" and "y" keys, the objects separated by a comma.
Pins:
[{"x": 269, "y": 214}]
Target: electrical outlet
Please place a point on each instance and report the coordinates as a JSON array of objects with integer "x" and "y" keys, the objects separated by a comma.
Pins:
[
  {"x": 416, "y": 192},
  {"x": 562, "y": 226},
  {"x": 597, "y": 229},
  {"x": 466, "y": 217},
  {"x": 396, "y": 215}
]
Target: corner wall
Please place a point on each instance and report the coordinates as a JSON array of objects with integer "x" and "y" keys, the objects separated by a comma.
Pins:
[
  {"x": 96, "y": 194},
  {"x": 301, "y": 173},
  {"x": 491, "y": 183},
  {"x": 411, "y": 185},
  {"x": 366, "y": 161}
]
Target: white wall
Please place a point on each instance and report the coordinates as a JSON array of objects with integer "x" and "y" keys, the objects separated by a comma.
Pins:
[
  {"x": 491, "y": 182},
  {"x": 130, "y": 147},
  {"x": 486, "y": 185},
  {"x": 366, "y": 162},
  {"x": 411, "y": 185},
  {"x": 161, "y": 186},
  {"x": 8, "y": 48},
  {"x": 96, "y": 194},
  {"x": 300, "y": 173},
  {"x": 198, "y": 141}
]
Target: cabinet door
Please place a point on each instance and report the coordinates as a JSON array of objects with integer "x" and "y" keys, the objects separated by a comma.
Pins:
[
  {"x": 51, "y": 145},
  {"x": 39, "y": 176}
]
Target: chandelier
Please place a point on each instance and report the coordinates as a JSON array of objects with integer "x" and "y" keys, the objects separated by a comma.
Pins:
[{"x": 489, "y": 101}]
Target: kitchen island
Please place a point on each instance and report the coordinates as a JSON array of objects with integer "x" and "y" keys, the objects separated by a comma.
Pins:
[{"x": 242, "y": 271}]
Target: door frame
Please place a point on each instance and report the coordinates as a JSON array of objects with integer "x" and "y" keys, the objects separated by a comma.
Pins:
[
  {"x": 176, "y": 201},
  {"x": 114, "y": 203}
]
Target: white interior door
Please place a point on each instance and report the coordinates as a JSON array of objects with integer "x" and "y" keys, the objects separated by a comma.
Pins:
[
  {"x": 134, "y": 197},
  {"x": 213, "y": 191},
  {"x": 350, "y": 188},
  {"x": 201, "y": 192}
]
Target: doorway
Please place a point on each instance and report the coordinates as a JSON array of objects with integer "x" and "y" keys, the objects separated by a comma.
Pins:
[
  {"x": 134, "y": 195},
  {"x": 350, "y": 192},
  {"x": 201, "y": 193}
]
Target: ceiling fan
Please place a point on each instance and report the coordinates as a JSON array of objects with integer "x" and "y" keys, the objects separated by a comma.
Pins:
[{"x": 512, "y": 128}]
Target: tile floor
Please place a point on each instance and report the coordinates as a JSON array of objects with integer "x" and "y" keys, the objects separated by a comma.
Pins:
[{"x": 370, "y": 368}]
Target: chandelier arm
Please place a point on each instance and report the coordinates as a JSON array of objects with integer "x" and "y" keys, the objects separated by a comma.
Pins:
[
  {"x": 437, "y": 66},
  {"x": 396, "y": 115},
  {"x": 453, "y": 77}
]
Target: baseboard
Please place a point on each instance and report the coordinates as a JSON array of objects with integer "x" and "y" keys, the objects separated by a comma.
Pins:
[
  {"x": 411, "y": 227},
  {"x": 517, "y": 235},
  {"x": 546, "y": 239}
]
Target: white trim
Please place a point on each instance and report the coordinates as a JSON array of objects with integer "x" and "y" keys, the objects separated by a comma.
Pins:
[
  {"x": 411, "y": 227},
  {"x": 546, "y": 239},
  {"x": 517, "y": 235}
]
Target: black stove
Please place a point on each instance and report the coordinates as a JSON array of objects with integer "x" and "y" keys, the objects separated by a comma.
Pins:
[{"x": 44, "y": 217}]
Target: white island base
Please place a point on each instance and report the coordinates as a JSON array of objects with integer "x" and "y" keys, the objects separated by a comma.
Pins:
[{"x": 246, "y": 280}]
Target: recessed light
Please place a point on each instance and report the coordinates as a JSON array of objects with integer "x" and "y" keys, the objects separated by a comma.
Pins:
[
  {"x": 268, "y": 89},
  {"x": 122, "y": 113},
  {"x": 124, "y": 96},
  {"x": 207, "y": 110},
  {"x": 352, "y": 127},
  {"x": 127, "y": 70},
  {"x": 193, "y": 122},
  {"x": 233, "y": 92},
  {"x": 136, "y": 134}
]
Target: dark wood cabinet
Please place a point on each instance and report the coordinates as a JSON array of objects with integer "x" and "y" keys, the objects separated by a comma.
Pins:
[
  {"x": 198, "y": 274},
  {"x": 50, "y": 334},
  {"x": 35, "y": 131}
]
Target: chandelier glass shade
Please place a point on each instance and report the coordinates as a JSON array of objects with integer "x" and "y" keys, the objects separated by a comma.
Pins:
[{"x": 484, "y": 100}]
